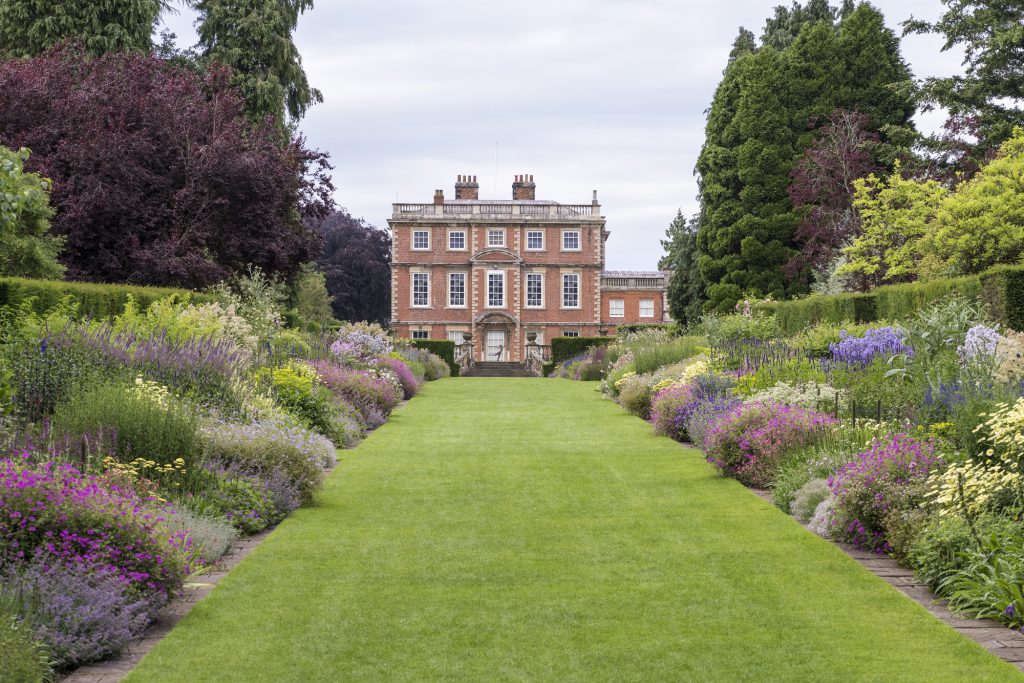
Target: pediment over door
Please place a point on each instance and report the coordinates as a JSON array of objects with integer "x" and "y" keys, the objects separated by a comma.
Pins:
[
  {"x": 494, "y": 318},
  {"x": 496, "y": 255}
]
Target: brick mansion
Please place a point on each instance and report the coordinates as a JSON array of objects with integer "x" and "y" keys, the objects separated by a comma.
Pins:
[{"x": 500, "y": 270}]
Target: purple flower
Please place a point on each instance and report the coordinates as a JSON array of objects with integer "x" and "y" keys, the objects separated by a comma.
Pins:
[
  {"x": 979, "y": 344},
  {"x": 859, "y": 351}
]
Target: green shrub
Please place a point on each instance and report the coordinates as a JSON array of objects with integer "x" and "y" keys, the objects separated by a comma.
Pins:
[
  {"x": 22, "y": 659},
  {"x": 297, "y": 390},
  {"x": 245, "y": 504},
  {"x": 649, "y": 359},
  {"x": 724, "y": 329},
  {"x": 144, "y": 424},
  {"x": 564, "y": 348},
  {"x": 635, "y": 397},
  {"x": 264, "y": 447},
  {"x": 443, "y": 348}
]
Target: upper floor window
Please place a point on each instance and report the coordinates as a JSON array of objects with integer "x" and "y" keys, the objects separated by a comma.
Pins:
[
  {"x": 457, "y": 290},
  {"x": 616, "y": 308},
  {"x": 534, "y": 290},
  {"x": 535, "y": 240},
  {"x": 420, "y": 334},
  {"x": 646, "y": 308},
  {"x": 421, "y": 239},
  {"x": 495, "y": 238},
  {"x": 570, "y": 240},
  {"x": 496, "y": 289},
  {"x": 457, "y": 240},
  {"x": 570, "y": 290},
  {"x": 421, "y": 289}
]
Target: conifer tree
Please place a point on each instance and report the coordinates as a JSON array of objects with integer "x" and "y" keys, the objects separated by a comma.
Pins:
[
  {"x": 988, "y": 99},
  {"x": 685, "y": 292},
  {"x": 254, "y": 38},
  {"x": 30, "y": 27},
  {"x": 764, "y": 116}
]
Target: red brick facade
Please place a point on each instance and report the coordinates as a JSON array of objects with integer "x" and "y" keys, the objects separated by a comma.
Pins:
[{"x": 498, "y": 270}]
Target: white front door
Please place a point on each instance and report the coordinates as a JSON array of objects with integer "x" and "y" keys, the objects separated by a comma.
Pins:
[{"x": 497, "y": 350}]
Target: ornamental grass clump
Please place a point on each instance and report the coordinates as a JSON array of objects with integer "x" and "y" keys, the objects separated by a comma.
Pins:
[
  {"x": 860, "y": 351},
  {"x": 56, "y": 513},
  {"x": 885, "y": 479},
  {"x": 23, "y": 659},
  {"x": 749, "y": 441}
]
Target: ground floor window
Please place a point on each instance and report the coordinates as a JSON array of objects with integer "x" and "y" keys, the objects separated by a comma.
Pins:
[
  {"x": 616, "y": 308},
  {"x": 456, "y": 336},
  {"x": 646, "y": 308},
  {"x": 570, "y": 333},
  {"x": 420, "y": 334}
]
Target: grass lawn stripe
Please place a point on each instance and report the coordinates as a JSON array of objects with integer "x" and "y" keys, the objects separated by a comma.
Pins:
[{"x": 527, "y": 530}]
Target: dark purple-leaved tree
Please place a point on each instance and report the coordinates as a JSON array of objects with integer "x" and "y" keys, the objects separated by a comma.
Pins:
[
  {"x": 158, "y": 177},
  {"x": 822, "y": 188},
  {"x": 356, "y": 261}
]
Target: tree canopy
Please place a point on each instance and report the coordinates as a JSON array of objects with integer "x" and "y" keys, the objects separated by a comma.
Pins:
[
  {"x": 27, "y": 249},
  {"x": 254, "y": 38},
  {"x": 686, "y": 287},
  {"x": 158, "y": 178},
  {"x": 30, "y": 27},
  {"x": 988, "y": 99},
  {"x": 812, "y": 60},
  {"x": 356, "y": 260}
]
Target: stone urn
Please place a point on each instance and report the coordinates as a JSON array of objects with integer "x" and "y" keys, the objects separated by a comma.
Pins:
[
  {"x": 467, "y": 337},
  {"x": 531, "y": 337}
]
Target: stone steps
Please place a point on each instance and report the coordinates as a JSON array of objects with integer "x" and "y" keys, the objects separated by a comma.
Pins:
[{"x": 498, "y": 369}]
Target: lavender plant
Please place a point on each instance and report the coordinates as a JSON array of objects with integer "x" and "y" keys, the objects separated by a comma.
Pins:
[{"x": 80, "y": 613}]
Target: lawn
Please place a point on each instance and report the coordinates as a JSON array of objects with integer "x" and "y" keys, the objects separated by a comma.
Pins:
[{"x": 518, "y": 529}]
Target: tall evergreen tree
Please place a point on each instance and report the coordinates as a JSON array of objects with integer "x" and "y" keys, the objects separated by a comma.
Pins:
[
  {"x": 30, "y": 27},
  {"x": 987, "y": 101},
  {"x": 254, "y": 38},
  {"x": 686, "y": 292},
  {"x": 763, "y": 118}
]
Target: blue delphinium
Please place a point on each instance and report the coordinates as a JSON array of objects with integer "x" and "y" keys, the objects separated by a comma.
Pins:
[{"x": 860, "y": 351}]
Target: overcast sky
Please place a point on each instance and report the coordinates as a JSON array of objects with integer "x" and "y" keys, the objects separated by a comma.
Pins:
[{"x": 597, "y": 94}]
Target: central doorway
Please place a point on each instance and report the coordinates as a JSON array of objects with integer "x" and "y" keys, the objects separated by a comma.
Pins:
[{"x": 497, "y": 346}]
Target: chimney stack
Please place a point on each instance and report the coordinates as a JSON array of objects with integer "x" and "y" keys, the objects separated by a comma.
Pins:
[
  {"x": 524, "y": 187},
  {"x": 466, "y": 187},
  {"x": 438, "y": 197}
]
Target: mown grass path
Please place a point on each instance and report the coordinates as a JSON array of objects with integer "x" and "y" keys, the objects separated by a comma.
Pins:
[{"x": 527, "y": 530}]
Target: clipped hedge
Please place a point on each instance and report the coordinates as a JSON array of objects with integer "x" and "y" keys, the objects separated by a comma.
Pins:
[
  {"x": 440, "y": 347},
  {"x": 564, "y": 348},
  {"x": 94, "y": 300},
  {"x": 1001, "y": 289}
]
